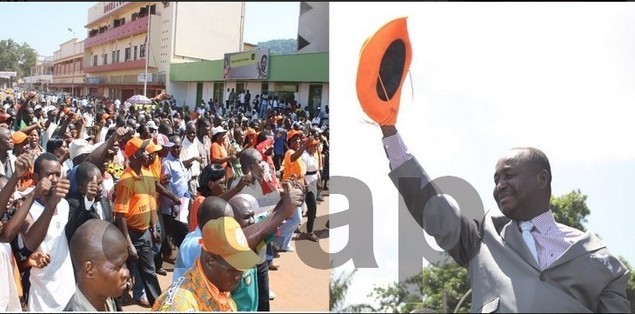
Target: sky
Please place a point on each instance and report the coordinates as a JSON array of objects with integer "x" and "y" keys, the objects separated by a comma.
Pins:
[
  {"x": 486, "y": 77},
  {"x": 44, "y": 25}
]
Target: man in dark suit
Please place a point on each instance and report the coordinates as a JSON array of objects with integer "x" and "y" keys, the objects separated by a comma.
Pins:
[{"x": 89, "y": 204}]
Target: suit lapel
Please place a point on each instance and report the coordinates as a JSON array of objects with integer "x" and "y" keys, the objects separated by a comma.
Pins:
[
  {"x": 105, "y": 205},
  {"x": 512, "y": 237},
  {"x": 588, "y": 243}
]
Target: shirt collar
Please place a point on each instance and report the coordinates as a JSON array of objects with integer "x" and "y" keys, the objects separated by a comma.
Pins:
[{"x": 544, "y": 222}]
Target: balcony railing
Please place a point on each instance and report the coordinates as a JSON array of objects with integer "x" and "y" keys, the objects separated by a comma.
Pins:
[
  {"x": 121, "y": 80},
  {"x": 117, "y": 66},
  {"x": 137, "y": 26}
]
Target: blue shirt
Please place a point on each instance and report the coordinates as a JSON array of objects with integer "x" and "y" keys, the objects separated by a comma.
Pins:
[
  {"x": 245, "y": 295},
  {"x": 179, "y": 176},
  {"x": 278, "y": 143}
]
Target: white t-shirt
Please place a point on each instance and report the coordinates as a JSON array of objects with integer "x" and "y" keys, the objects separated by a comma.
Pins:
[
  {"x": 190, "y": 150},
  {"x": 9, "y": 300},
  {"x": 54, "y": 285},
  {"x": 266, "y": 202},
  {"x": 311, "y": 165}
]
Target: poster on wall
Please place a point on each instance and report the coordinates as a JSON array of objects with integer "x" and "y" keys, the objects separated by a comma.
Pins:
[{"x": 246, "y": 65}]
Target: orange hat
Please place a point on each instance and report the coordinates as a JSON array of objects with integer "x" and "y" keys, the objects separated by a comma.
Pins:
[
  {"x": 18, "y": 137},
  {"x": 105, "y": 116},
  {"x": 314, "y": 142},
  {"x": 153, "y": 147},
  {"x": 379, "y": 81},
  {"x": 225, "y": 238},
  {"x": 293, "y": 133},
  {"x": 132, "y": 146}
]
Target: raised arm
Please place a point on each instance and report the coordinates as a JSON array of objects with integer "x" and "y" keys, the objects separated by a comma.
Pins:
[
  {"x": 34, "y": 232},
  {"x": 292, "y": 198},
  {"x": 432, "y": 210}
]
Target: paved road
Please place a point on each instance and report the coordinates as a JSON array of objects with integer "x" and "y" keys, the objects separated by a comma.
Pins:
[{"x": 298, "y": 286}]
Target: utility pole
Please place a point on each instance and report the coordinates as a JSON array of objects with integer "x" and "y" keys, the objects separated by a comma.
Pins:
[
  {"x": 147, "y": 47},
  {"x": 73, "y": 60}
]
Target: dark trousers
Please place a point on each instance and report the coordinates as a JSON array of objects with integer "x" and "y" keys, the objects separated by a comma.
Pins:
[
  {"x": 263, "y": 287},
  {"x": 311, "y": 211},
  {"x": 143, "y": 243},
  {"x": 170, "y": 228},
  {"x": 277, "y": 161}
]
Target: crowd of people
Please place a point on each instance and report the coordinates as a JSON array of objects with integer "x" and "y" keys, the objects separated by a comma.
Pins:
[{"x": 106, "y": 192}]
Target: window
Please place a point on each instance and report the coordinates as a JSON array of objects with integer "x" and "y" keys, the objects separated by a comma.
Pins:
[
  {"x": 127, "y": 54},
  {"x": 135, "y": 16},
  {"x": 114, "y": 57},
  {"x": 104, "y": 58},
  {"x": 118, "y": 60},
  {"x": 95, "y": 60},
  {"x": 142, "y": 51},
  {"x": 135, "y": 52}
]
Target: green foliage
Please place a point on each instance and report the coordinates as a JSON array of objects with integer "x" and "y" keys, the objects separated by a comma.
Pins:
[
  {"x": 280, "y": 46},
  {"x": 570, "y": 209},
  {"x": 16, "y": 57},
  {"x": 630, "y": 288}
]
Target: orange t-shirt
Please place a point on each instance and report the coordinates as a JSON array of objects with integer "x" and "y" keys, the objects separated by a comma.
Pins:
[
  {"x": 296, "y": 168},
  {"x": 155, "y": 169},
  {"x": 193, "y": 221},
  {"x": 135, "y": 198},
  {"x": 218, "y": 151}
]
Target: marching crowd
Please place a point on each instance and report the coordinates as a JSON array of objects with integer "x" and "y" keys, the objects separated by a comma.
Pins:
[{"x": 96, "y": 194}]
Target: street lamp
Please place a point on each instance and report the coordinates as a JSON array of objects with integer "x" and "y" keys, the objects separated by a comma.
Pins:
[{"x": 73, "y": 60}]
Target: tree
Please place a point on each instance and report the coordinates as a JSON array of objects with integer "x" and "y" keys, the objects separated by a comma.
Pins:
[
  {"x": 16, "y": 57},
  {"x": 338, "y": 287},
  {"x": 570, "y": 209},
  {"x": 452, "y": 280}
]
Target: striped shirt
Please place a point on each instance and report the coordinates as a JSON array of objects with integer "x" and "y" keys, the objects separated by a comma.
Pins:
[{"x": 552, "y": 239}]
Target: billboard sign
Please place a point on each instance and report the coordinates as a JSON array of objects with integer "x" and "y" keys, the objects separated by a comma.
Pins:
[{"x": 246, "y": 65}]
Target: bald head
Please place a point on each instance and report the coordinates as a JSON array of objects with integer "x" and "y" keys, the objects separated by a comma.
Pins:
[
  {"x": 248, "y": 157},
  {"x": 212, "y": 208},
  {"x": 534, "y": 156},
  {"x": 244, "y": 207},
  {"x": 94, "y": 240}
]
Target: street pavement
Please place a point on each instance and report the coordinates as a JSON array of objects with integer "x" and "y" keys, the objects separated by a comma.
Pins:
[{"x": 298, "y": 285}]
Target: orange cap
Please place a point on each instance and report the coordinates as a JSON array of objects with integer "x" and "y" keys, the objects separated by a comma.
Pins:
[
  {"x": 225, "y": 238},
  {"x": 132, "y": 146},
  {"x": 152, "y": 147},
  {"x": 18, "y": 137},
  {"x": 293, "y": 133}
]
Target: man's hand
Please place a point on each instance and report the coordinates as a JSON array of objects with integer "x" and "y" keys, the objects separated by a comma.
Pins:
[
  {"x": 38, "y": 260},
  {"x": 120, "y": 133},
  {"x": 293, "y": 198},
  {"x": 132, "y": 253},
  {"x": 156, "y": 236},
  {"x": 91, "y": 189},
  {"x": 23, "y": 164},
  {"x": 42, "y": 188},
  {"x": 60, "y": 190},
  {"x": 246, "y": 180}
]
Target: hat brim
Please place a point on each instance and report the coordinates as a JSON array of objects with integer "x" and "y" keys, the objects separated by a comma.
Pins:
[{"x": 243, "y": 260}]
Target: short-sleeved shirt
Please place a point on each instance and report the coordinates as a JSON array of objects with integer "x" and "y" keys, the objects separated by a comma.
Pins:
[
  {"x": 218, "y": 151},
  {"x": 296, "y": 168},
  {"x": 246, "y": 293},
  {"x": 135, "y": 198},
  {"x": 194, "y": 211},
  {"x": 193, "y": 292}
]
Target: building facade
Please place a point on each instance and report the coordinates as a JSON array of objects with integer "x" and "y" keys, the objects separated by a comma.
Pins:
[
  {"x": 127, "y": 40},
  {"x": 303, "y": 76},
  {"x": 41, "y": 76},
  {"x": 68, "y": 68}
]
